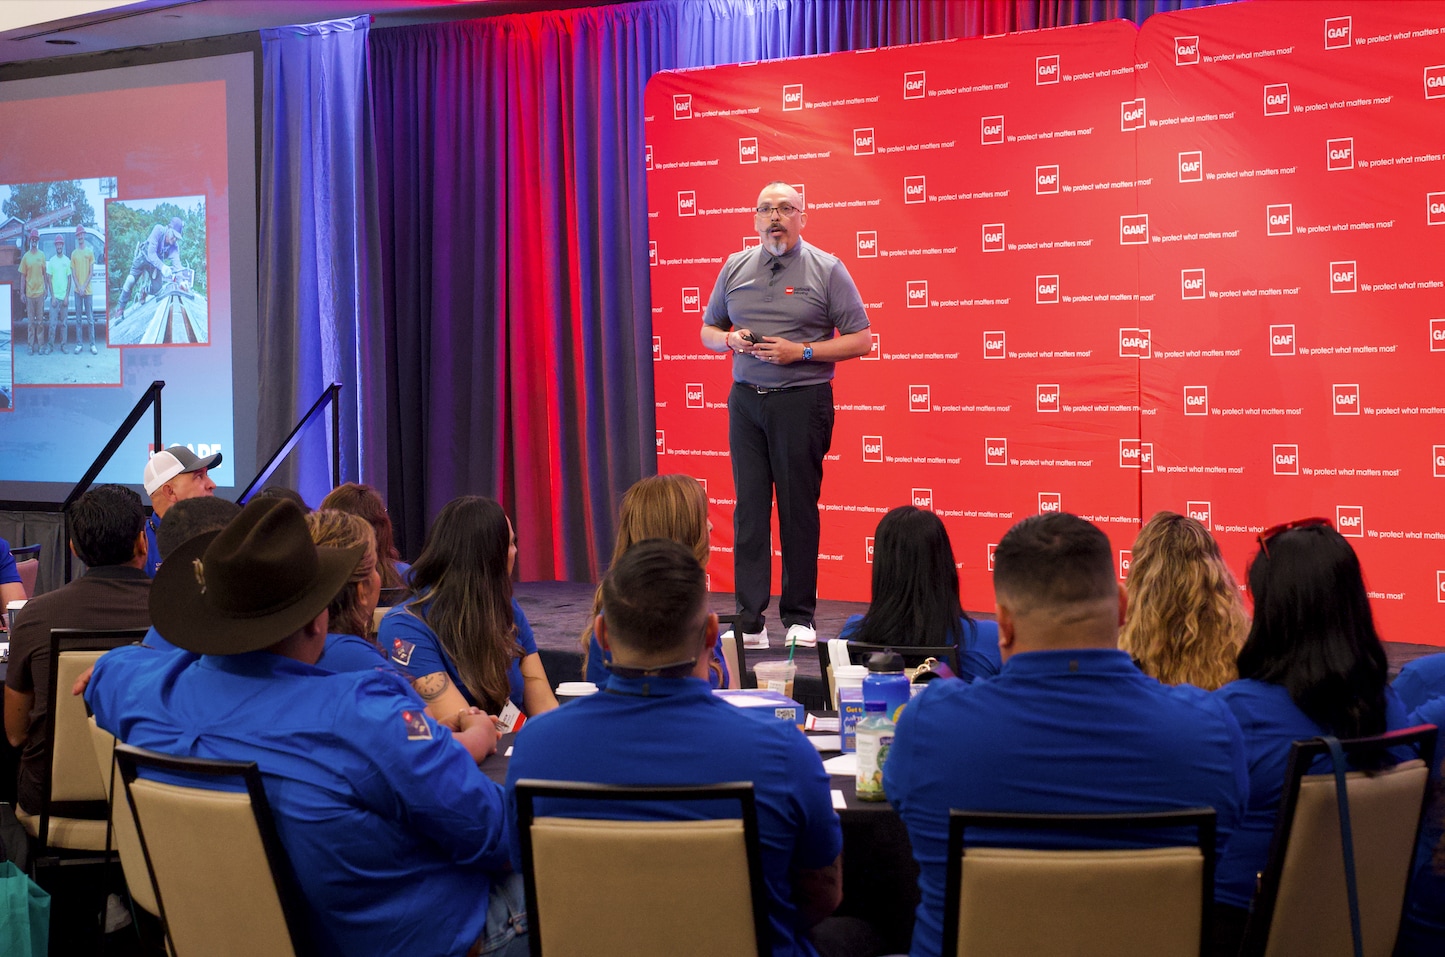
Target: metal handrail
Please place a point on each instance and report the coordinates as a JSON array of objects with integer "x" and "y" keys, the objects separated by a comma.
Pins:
[{"x": 329, "y": 397}]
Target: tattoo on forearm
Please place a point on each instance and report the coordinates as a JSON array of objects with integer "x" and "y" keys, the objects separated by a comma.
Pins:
[{"x": 430, "y": 687}]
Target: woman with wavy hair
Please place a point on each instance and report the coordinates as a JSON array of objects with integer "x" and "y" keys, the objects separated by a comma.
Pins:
[
  {"x": 673, "y": 507},
  {"x": 349, "y": 644},
  {"x": 365, "y": 501},
  {"x": 915, "y": 598},
  {"x": 461, "y": 638},
  {"x": 1312, "y": 665},
  {"x": 1184, "y": 621}
]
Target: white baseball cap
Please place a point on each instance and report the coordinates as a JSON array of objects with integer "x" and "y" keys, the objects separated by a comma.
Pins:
[{"x": 176, "y": 460}]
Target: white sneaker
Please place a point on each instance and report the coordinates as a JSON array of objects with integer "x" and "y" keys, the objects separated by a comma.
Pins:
[
  {"x": 750, "y": 640},
  {"x": 117, "y": 915},
  {"x": 802, "y": 636}
]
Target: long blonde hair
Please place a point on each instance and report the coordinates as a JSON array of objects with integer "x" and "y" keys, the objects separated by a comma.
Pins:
[
  {"x": 333, "y": 528},
  {"x": 660, "y": 506},
  {"x": 1185, "y": 620}
]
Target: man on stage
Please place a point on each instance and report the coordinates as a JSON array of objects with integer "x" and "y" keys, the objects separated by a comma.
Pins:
[{"x": 776, "y": 308}]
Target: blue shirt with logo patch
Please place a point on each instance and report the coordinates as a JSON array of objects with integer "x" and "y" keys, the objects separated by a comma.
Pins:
[
  {"x": 416, "y": 652},
  {"x": 977, "y": 653}
]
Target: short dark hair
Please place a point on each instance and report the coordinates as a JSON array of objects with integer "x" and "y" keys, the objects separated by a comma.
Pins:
[
  {"x": 653, "y": 596},
  {"x": 289, "y": 494},
  {"x": 1054, "y": 560},
  {"x": 191, "y": 517},
  {"x": 104, "y": 523}
]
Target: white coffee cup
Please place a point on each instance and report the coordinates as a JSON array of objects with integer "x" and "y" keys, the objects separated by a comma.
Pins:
[
  {"x": 11, "y": 610},
  {"x": 572, "y": 690}
]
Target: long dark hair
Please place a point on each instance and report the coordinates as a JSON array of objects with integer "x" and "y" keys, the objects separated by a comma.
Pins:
[
  {"x": 365, "y": 501},
  {"x": 915, "y": 583},
  {"x": 464, "y": 594},
  {"x": 1314, "y": 633}
]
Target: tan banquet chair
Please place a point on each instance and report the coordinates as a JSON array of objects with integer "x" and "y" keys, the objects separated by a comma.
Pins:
[
  {"x": 123, "y": 836},
  {"x": 221, "y": 880},
  {"x": 1010, "y": 900},
  {"x": 1302, "y": 907},
  {"x": 657, "y": 888}
]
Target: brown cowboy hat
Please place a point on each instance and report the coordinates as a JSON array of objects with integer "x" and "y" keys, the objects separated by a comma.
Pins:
[{"x": 250, "y": 584}]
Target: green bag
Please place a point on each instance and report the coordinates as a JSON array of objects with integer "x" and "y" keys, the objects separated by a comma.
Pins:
[{"x": 24, "y": 914}]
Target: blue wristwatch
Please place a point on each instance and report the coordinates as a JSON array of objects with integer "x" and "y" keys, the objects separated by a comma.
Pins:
[{"x": 807, "y": 353}]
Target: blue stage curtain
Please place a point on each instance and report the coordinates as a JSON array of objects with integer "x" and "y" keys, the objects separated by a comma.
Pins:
[
  {"x": 319, "y": 282},
  {"x": 514, "y": 239}
]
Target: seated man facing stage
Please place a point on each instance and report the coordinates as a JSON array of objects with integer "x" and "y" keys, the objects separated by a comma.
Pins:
[
  {"x": 397, "y": 839},
  {"x": 658, "y": 723},
  {"x": 185, "y": 520},
  {"x": 107, "y": 526},
  {"x": 1068, "y": 726}
]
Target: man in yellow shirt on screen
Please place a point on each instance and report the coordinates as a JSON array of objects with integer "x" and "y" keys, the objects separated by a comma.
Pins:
[
  {"x": 32, "y": 277},
  {"x": 82, "y": 267}
]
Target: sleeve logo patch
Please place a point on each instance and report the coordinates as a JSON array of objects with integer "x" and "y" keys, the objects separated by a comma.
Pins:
[
  {"x": 401, "y": 651},
  {"x": 416, "y": 727}
]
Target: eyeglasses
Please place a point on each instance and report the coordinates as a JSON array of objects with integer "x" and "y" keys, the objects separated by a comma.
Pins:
[
  {"x": 786, "y": 210},
  {"x": 1274, "y": 530}
]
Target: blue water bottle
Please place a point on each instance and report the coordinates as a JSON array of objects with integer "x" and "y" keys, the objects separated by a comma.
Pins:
[{"x": 887, "y": 683}]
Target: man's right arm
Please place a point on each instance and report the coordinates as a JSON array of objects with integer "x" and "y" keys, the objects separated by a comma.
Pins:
[{"x": 153, "y": 247}]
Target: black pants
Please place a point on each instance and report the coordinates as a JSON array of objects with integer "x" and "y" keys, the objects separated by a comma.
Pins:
[{"x": 778, "y": 440}]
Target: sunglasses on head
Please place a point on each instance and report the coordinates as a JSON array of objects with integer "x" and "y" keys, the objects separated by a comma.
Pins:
[{"x": 1264, "y": 537}]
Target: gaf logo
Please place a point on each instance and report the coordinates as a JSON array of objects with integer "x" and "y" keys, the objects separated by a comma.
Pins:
[
  {"x": 1200, "y": 512},
  {"x": 993, "y": 345},
  {"x": 872, "y": 448},
  {"x": 1435, "y": 209},
  {"x": 687, "y": 203},
  {"x": 993, "y": 546},
  {"x": 1134, "y": 230},
  {"x": 923, "y": 498},
  {"x": 1131, "y": 115},
  {"x": 1281, "y": 340},
  {"x": 1046, "y": 397},
  {"x": 1437, "y": 335},
  {"x": 915, "y": 85},
  {"x": 918, "y": 294},
  {"x": 1046, "y": 290},
  {"x": 1126, "y": 558},
  {"x": 652, "y": 252},
  {"x": 657, "y": 348},
  {"x": 1279, "y": 219},
  {"x": 1046, "y": 180},
  {"x": 1435, "y": 81},
  {"x": 793, "y": 97},
  {"x": 747, "y": 149},
  {"x": 661, "y": 442},
  {"x": 1191, "y": 167},
  {"x": 1286, "y": 459},
  {"x": 875, "y": 349},
  {"x": 918, "y": 399},
  {"x": 752, "y": 242},
  {"x": 1337, "y": 33},
  {"x": 694, "y": 395},
  {"x": 993, "y": 238},
  {"x": 1050, "y": 502},
  {"x": 1196, "y": 400},
  {"x": 1134, "y": 344},
  {"x": 1131, "y": 454},
  {"x": 868, "y": 549},
  {"x": 995, "y": 451},
  {"x": 1046, "y": 70},
  {"x": 863, "y": 142},
  {"x": 1276, "y": 99},
  {"x": 1350, "y": 520},
  {"x": 1437, "y": 455},
  {"x": 691, "y": 299},
  {"x": 868, "y": 244},
  {"x": 1342, "y": 276},
  {"x": 682, "y": 106},
  {"x": 915, "y": 189},
  {"x": 1341, "y": 153},
  {"x": 1186, "y": 51},
  {"x": 1191, "y": 282},
  {"x": 1439, "y": 579},
  {"x": 1346, "y": 399},
  {"x": 992, "y": 132},
  {"x": 647, "y": 155}
]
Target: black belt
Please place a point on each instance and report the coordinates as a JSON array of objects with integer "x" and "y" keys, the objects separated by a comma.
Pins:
[{"x": 782, "y": 388}]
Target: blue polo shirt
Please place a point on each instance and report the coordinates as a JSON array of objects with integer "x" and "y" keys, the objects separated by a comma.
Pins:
[
  {"x": 674, "y": 731},
  {"x": 977, "y": 654},
  {"x": 352, "y": 653},
  {"x": 1055, "y": 732},
  {"x": 1420, "y": 680},
  {"x": 8, "y": 572},
  {"x": 598, "y": 674},
  {"x": 393, "y": 832},
  {"x": 416, "y": 651},
  {"x": 1422, "y": 932},
  {"x": 1271, "y": 722},
  {"x": 153, "y": 551}
]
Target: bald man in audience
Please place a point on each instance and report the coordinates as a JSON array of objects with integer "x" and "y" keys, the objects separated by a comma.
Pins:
[
  {"x": 658, "y": 723},
  {"x": 1068, "y": 726}
]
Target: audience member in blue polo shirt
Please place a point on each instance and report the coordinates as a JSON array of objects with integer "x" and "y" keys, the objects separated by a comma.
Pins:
[
  {"x": 173, "y": 475},
  {"x": 397, "y": 839},
  {"x": 461, "y": 638},
  {"x": 11, "y": 588},
  {"x": 658, "y": 723},
  {"x": 1312, "y": 665},
  {"x": 1422, "y": 932},
  {"x": 915, "y": 595},
  {"x": 350, "y": 612},
  {"x": 188, "y": 518},
  {"x": 1420, "y": 680},
  {"x": 1069, "y": 725}
]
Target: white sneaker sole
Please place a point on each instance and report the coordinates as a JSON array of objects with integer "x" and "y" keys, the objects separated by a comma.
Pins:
[{"x": 755, "y": 643}]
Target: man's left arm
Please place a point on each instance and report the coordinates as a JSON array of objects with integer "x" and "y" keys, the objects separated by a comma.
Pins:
[{"x": 17, "y": 715}]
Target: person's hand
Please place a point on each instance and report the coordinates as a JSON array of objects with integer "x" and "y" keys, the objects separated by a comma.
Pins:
[
  {"x": 738, "y": 343},
  {"x": 165, "y": 272},
  {"x": 80, "y": 683},
  {"x": 775, "y": 350},
  {"x": 482, "y": 729},
  {"x": 454, "y": 722}
]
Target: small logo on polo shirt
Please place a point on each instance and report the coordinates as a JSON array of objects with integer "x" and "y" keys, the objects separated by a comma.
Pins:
[
  {"x": 416, "y": 727},
  {"x": 401, "y": 651}
]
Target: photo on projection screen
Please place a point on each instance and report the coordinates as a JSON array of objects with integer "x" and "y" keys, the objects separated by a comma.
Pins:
[{"x": 144, "y": 241}]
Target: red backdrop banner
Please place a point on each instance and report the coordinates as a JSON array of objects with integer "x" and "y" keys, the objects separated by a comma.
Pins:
[{"x": 1109, "y": 271}]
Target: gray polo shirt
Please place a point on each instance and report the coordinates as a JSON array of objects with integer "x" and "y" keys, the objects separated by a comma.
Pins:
[{"x": 803, "y": 301}]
